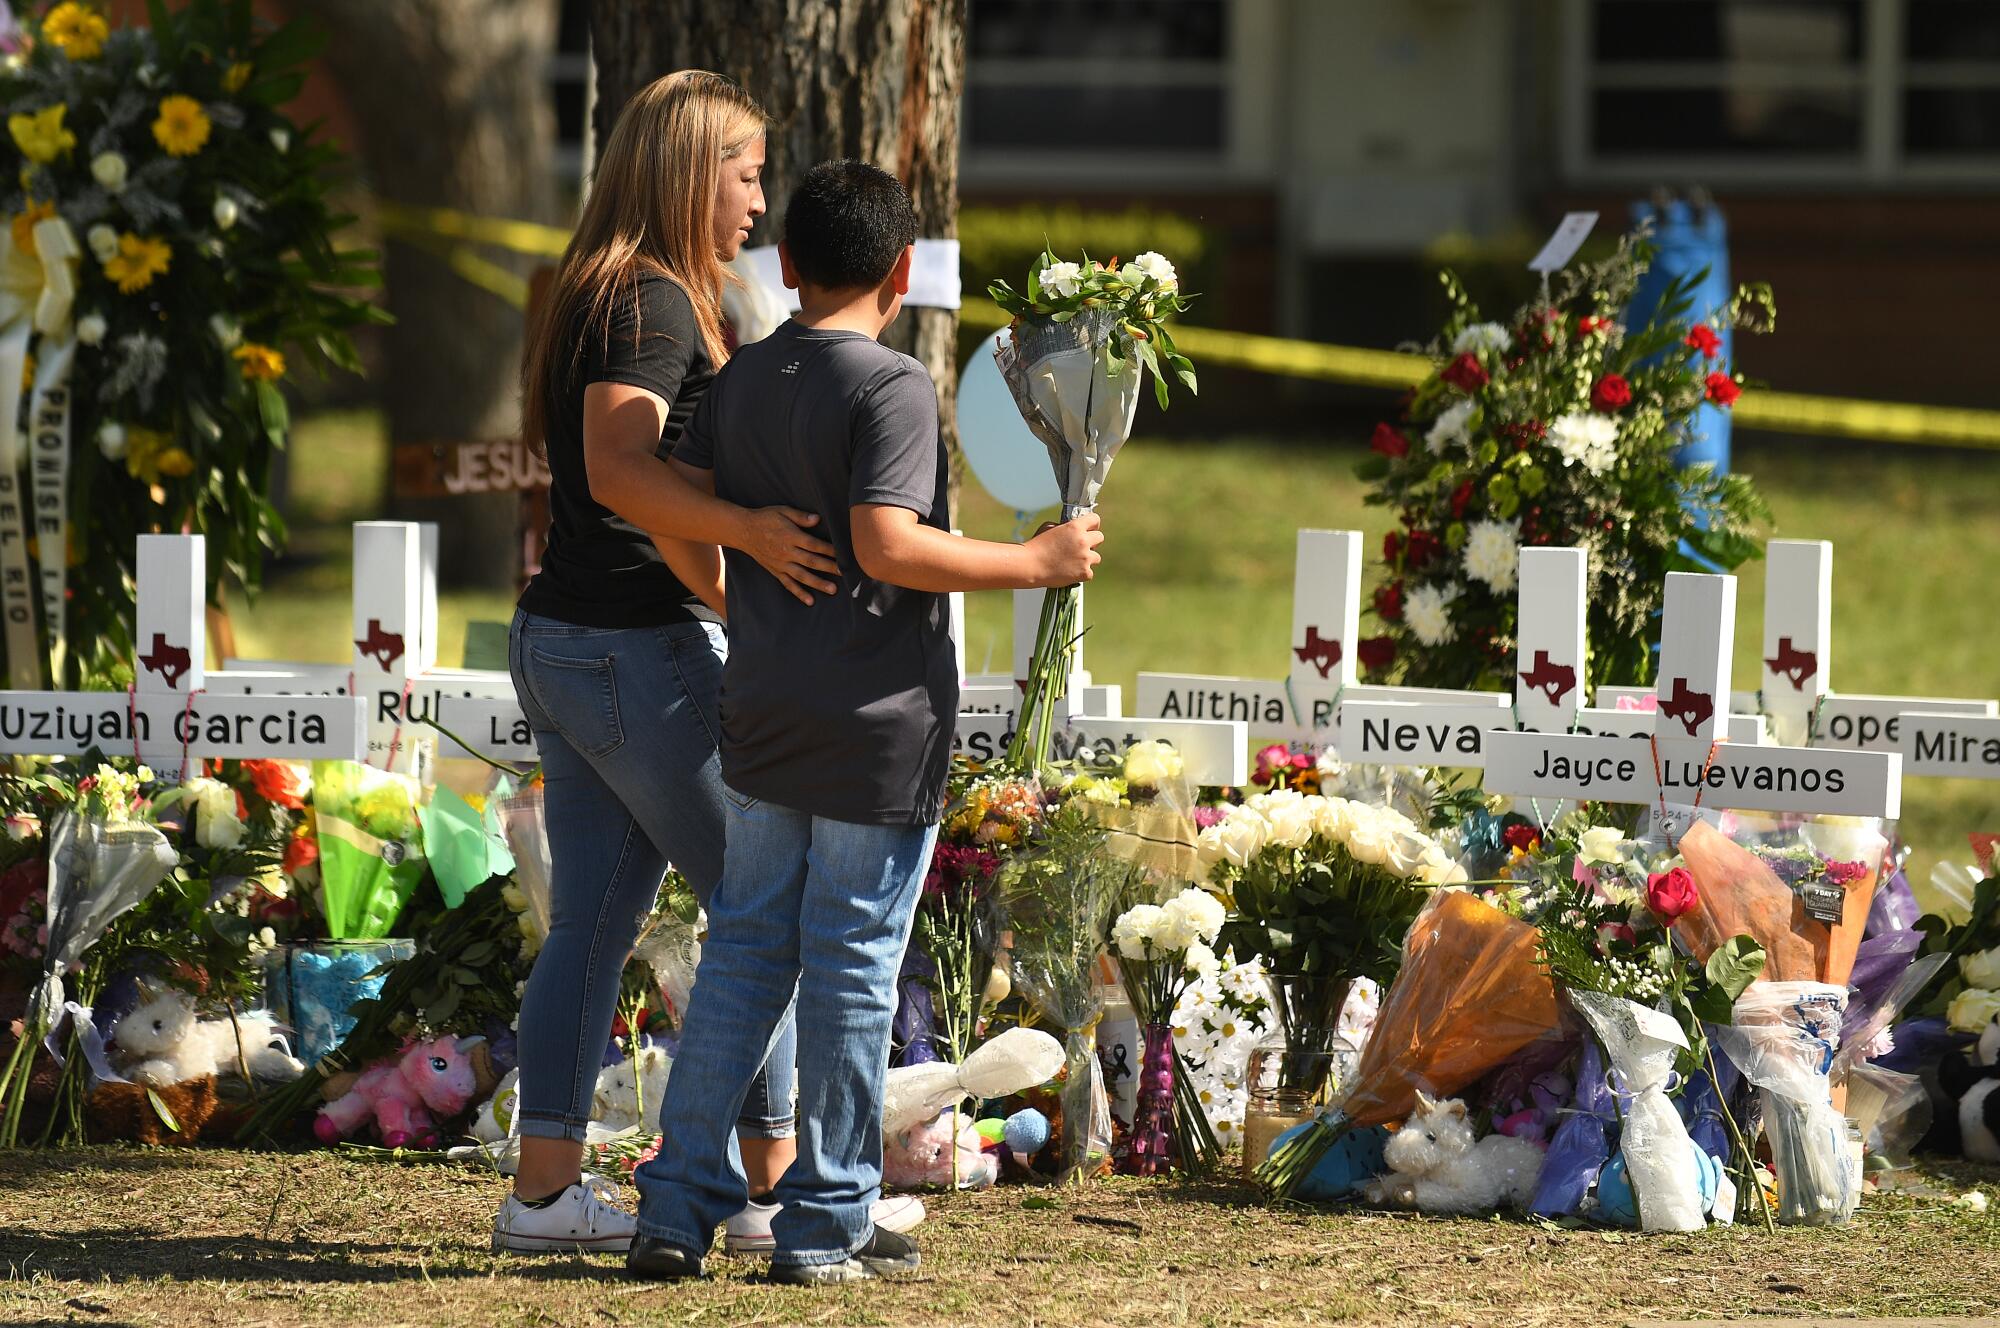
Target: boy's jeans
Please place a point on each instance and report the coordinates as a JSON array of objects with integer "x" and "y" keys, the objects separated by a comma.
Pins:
[{"x": 818, "y": 906}]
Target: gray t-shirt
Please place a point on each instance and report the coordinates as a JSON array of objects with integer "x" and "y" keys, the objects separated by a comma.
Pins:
[{"x": 844, "y": 708}]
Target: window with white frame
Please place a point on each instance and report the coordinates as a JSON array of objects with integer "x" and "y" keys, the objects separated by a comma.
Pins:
[{"x": 1784, "y": 91}]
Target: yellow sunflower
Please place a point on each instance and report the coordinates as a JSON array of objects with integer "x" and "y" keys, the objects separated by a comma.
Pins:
[
  {"x": 40, "y": 134},
  {"x": 260, "y": 361},
  {"x": 24, "y": 226},
  {"x": 234, "y": 77},
  {"x": 139, "y": 259},
  {"x": 182, "y": 127},
  {"x": 76, "y": 30}
]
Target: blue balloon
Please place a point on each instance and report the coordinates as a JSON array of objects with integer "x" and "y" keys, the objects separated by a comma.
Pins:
[{"x": 1005, "y": 457}]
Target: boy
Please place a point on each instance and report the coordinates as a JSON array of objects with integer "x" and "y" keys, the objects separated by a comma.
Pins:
[{"x": 837, "y": 726}]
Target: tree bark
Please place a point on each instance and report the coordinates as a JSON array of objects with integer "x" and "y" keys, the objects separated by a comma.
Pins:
[
  {"x": 874, "y": 79},
  {"x": 452, "y": 102}
]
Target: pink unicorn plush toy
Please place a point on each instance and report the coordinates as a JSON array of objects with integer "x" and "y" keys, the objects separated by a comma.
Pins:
[{"x": 404, "y": 1097}]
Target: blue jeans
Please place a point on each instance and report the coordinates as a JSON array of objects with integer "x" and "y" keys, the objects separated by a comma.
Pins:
[
  {"x": 822, "y": 908},
  {"x": 625, "y": 721}
]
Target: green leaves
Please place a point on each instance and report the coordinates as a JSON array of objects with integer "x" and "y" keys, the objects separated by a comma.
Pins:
[{"x": 1736, "y": 963}]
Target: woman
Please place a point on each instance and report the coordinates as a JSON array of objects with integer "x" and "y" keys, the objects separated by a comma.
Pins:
[{"x": 617, "y": 646}]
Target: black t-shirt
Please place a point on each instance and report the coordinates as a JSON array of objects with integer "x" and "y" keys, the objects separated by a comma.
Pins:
[
  {"x": 846, "y": 707},
  {"x": 600, "y": 570}
]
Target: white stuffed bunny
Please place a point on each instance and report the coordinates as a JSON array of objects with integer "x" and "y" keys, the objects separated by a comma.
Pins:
[
  {"x": 630, "y": 1089},
  {"x": 1437, "y": 1166},
  {"x": 162, "y": 1043}
]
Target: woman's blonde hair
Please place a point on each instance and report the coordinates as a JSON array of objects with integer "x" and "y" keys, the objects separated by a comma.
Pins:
[{"x": 651, "y": 209}]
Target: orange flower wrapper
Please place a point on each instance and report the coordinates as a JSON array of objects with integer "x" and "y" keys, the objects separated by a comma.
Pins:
[
  {"x": 1469, "y": 996},
  {"x": 1742, "y": 896}
]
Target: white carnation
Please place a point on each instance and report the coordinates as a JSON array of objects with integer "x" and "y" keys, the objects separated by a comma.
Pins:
[
  {"x": 1493, "y": 553},
  {"x": 1453, "y": 426},
  {"x": 1199, "y": 912},
  {"x": 1481, "y": 337},
  {"x": 1061, "y": 280},
  {"x": 1137, "y": 932},
  {"x": 1201, "y": 961},
  {"x": 1589, "y": 439},
  {"x": 1427, "y": 611}
]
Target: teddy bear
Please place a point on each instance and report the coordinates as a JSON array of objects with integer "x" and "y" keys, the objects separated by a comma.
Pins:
[
  {"x": 1436, "y": 1165},
  {"x": 631, "y": 1088},
  {"x": 162, "y": 1042},
  {"x": 406, "y": 1096}
]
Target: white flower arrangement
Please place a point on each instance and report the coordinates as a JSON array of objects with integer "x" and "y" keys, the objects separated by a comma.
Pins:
[
  {"x": 1288, "y": 819},
  {"x": 1220, "y": 1017},
  {"x": 1480, "y": 337},
  {"x": 1981, "y": 969},
  {"x": 1148, "y": 933}
]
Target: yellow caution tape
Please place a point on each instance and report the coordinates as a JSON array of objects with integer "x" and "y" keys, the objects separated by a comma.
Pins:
[{"x": 1779, "y": 412}]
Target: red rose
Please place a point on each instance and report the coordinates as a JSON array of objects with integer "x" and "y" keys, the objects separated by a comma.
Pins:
[
  {"x": 278, "y": 782},
  {"x": 1722, "y": 389},
  {"x": 1460, "y": 498},
  {"x": 1422, "y": 546},
  {"x": 1466, "y": 374},
  {"x": 1392, "y": 544},
  {"x": 300, "y": 853},
  {"x": 1671, "y": 893},
  {"x": 1523, "y": 837},
  {"x": 1611, "y": 393},
  {"x": 1376, "y": 653},
  {"x": 1705, "y": 339},
  {"x": 1389, "y": 441},
  {"x": 1389, "y": 602}
]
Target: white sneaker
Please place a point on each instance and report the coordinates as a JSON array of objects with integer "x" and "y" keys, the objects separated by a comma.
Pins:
[
  {"x": 585, "y": 1217},
  {"x": 749, "y": 1232}
]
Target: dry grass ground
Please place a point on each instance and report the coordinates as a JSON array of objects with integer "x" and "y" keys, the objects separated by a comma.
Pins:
[{"x": 209, "y": 1237}]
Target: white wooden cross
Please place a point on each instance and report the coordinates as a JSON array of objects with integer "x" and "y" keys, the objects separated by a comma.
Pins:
[
  {"x": 394, "y": 665},
  {"x": 1797, "y": 695},
  {"x": 170, "y": 717},
  {"x": 1216, "y": 752},
  {"x": 1306, "y": 705},
  {"x": 1687, "y": 765},
  {"x": 1548, "y": 690}
]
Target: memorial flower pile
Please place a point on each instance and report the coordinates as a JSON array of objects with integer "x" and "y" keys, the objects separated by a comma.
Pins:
[
  {"x": 1555, "y": 427},
  {"x": 168, "y": 263}
]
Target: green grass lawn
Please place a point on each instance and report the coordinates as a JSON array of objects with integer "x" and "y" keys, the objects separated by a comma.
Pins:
[{"x": 1198, "y": 570}]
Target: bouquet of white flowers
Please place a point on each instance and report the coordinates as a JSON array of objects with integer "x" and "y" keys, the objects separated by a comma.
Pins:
[
  {"x": 1082, "y": 339},
  {"x": 1220, "y": 1018},
  {"x": 1325, "y": 889},
  {"x": 1159, "y": 947}
]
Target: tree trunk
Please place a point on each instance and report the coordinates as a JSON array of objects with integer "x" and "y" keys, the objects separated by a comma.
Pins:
[
  {"x": 453, "y": 105},
  {"x": 874, "y": 79}
]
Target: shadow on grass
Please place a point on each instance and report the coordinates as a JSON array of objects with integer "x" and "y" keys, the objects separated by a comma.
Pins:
[{"x": 139, "y": 1254}]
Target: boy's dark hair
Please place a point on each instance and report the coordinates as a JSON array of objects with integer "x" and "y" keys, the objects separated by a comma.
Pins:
[{"x": 846, "y": 224}]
